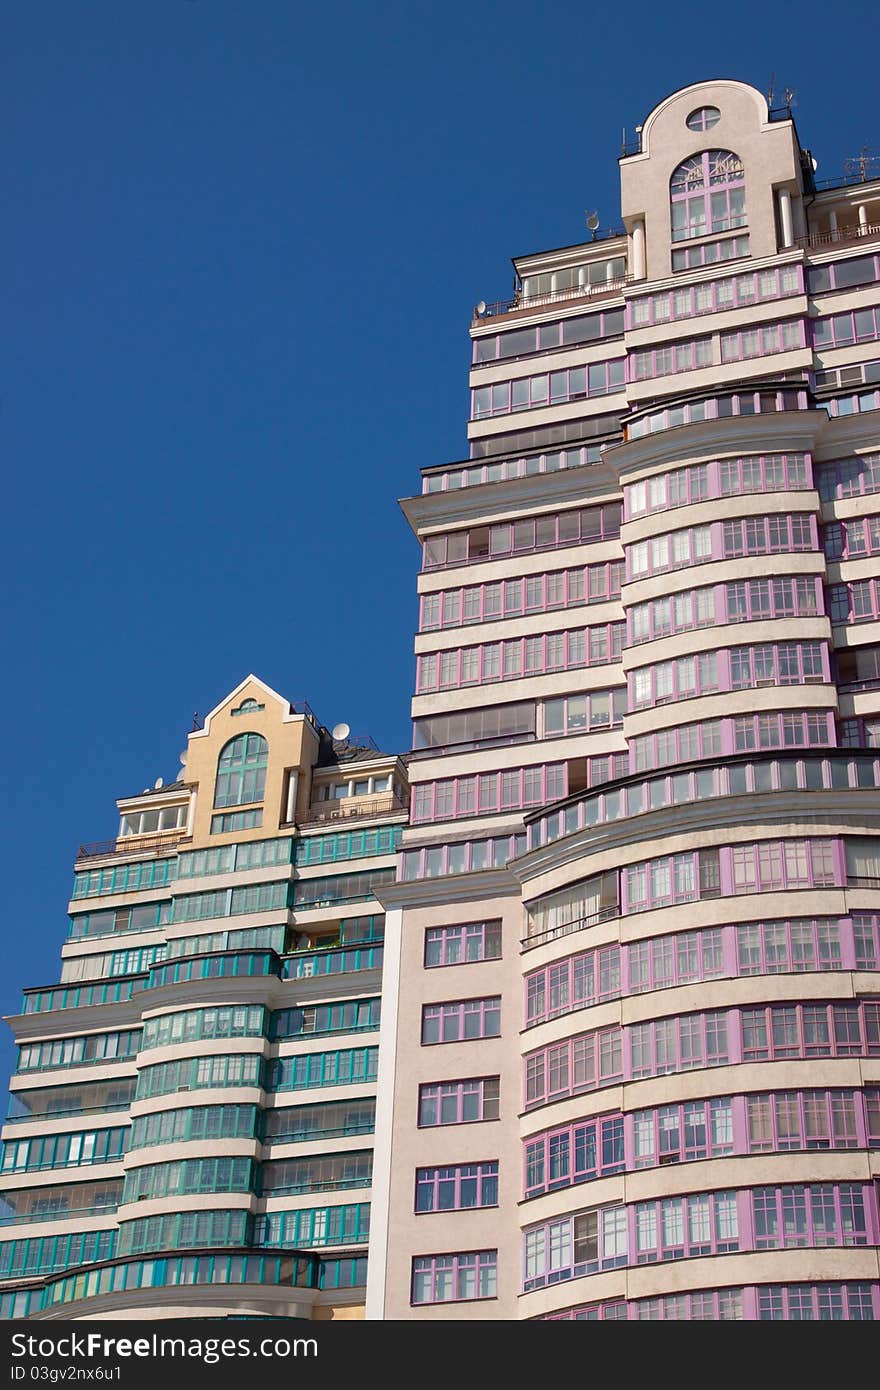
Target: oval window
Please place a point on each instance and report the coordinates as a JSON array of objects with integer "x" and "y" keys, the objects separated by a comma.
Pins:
[{"x": 704, "y": 118}]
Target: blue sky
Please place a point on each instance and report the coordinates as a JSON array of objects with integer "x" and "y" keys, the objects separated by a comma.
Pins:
[{"x": 240, "y": 245}]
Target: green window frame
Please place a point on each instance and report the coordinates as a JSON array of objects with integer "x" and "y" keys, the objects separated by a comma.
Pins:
[
  {"x": 124, "y": 878},
  {"x": 291, "y": 1177},
  {"x": 187, "y": 1176},
  {"x": 309, "y": 1070},
  {"x": 334, "y": 1119},
  {"x": 200, "y": 1073},
  {"x": 192, "y": 1025},
  {"x": 82, "y": 1050},
  {"x": 314, "y": 1226},
  {"x": 241, "y": 771},
  {"x": 78, "y": 1149},
  {"x": 46, "y": 1254},
  {"x": 350, "y": 1016},
  {"x": 194, "y": 1122},
  {"x": 185, "y": 1230}
]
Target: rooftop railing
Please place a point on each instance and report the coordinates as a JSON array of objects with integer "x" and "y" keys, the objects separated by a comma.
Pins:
[{"x": 848, "y": 180}]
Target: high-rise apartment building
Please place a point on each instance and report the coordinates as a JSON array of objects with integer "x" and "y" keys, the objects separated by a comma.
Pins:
[
  {"x": 191, "y": 1121},
  {"x": 629, "y": 1053},
  {"x": 630, "y": 1046}
]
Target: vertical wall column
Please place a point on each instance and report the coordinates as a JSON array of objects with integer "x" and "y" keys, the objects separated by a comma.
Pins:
[
  {"x": 785, "y": 219},
  {"x": 863, "y": 219},
  {"x": 292, "y": 783},
  {"x": 638, "y": 242}
]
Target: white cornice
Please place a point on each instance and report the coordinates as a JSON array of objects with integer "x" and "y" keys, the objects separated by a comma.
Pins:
[
  {"x": 452, "y": 888},
  {"x": 488, "y": 502},
  {"x": 843, "y": 806},
  {"x": 849, "y": 432},
  {"x": 719, "y": 270},
  {"x": 795, "y": 429},
  {"x": 560, "y": 257}
]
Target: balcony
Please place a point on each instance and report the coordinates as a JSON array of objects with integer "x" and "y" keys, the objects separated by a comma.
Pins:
[
  {"x": 541, "y": 938},
  {"x": 162, "y": 842},
  {"x": 73, "y": 1113},
  {"x": 528, "y": 303},
  {"x": 332, "y": 961},
  {"x": 839, "y": 235},
  {"x": 59, "y": 1214},
  {"x": 351, "y": 808},
  {"x": 59, "y": 1210},
  {"x": 224, "y": 966}
]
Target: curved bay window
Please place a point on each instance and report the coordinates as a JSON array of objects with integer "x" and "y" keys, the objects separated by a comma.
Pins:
[
  {"x": 241, "y": 771},
  {"x": 707, "y": 194}
]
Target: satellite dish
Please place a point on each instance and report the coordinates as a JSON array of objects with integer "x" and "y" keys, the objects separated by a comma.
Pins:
[
  {"x": 815, "y": 163},
  {"x": 340, "y": 732},
  {"x": 157, "y": 784},
  {"x": 182, "y": 757},
  {"x": 593, "y": 221},
  {"x": 481, "y": 307}
]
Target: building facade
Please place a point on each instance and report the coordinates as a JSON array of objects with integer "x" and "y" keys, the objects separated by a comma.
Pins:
[
  {"x": 630, "y": 1048},
  {"x": 628, "y": 1063},
  {"x": 191, "y": 1120}
]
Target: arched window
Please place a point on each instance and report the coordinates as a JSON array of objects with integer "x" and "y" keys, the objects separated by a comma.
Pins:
[
  {"x": 241, "y": 771},
  {"x": 707, "y": 194},
  {"x": 247, "y": 707}
]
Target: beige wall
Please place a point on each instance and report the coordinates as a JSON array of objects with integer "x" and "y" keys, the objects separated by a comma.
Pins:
[
  {"x": 293, "y": 747},
  {"x": 769, "y": 153}
]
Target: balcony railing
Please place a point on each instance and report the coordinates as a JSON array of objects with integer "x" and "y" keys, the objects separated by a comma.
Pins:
[
  {"x": 352, "y": 808},
  {"x": 566, "y": 928},
  {"x": 332, "y": 962},
  {"x": 146, "y": 843},
  {"x": 297, "y": 1189},
  {"x": 72, "y": 1113},
  {"x": 56, "y": 1214},
  {"x": 838, "y": 235},
  {"x": 300, "y": 1136},
  {"x": 534, "y": 301}
]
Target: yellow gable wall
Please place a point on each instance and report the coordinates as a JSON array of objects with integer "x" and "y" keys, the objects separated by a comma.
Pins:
[{"x": 293, "y": 746}]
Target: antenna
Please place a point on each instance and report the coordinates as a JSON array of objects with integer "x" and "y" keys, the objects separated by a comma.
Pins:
[
  {"x": 592, "y": 222},
  {"x": 862, "y": 164},
  {"x": 340, "y": 732},
  {"x": 772, "y": 90},
  {"x": 790, "y": 97}
]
